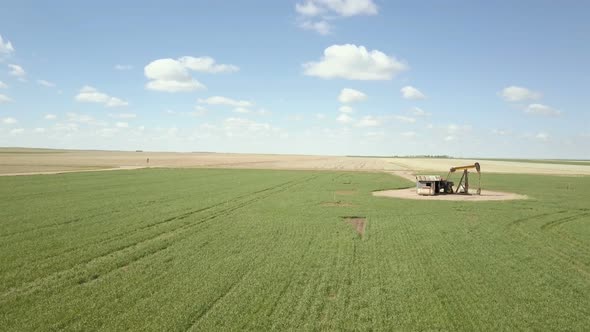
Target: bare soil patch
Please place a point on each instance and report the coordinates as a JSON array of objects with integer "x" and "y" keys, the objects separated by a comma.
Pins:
[
  {"x": 338, "y": 203},
  {"x": 358, "y": 223},
  {"x": 486, "y": 195}
]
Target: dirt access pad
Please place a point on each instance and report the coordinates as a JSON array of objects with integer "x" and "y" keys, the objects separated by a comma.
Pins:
[{"x": 486, "y": 195}]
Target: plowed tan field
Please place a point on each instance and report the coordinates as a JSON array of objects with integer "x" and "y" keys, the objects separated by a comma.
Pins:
[{"x": 31, "y": 161}]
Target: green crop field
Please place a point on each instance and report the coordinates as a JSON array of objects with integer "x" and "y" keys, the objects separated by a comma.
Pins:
[{"x": 205, "y": 249}]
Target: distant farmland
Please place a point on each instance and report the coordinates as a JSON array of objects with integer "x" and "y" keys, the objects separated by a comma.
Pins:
[{"x": 218, "y": 249}]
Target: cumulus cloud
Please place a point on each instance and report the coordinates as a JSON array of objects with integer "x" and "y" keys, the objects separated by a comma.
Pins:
[
  {"x": 17, "y": 131},
  {"x": 308, "y": 8},
  {"x": 405, "y": 119},
  {"x": 408, "y": 134},
  {"x": 346, "y": 109},
  {"x": 3, "y": 85},
  {"x": 368, "y": 121},
  {"x": 46, "y": 83},
  {"x": 206, "y": 64},
  {"x": 500, "y": 132},
  {"x": 17, "y": 71},
  {"x": 455, "y": 131},
  {"x": 241, "y": 110},
  {"x": 123, "y": 115},
  {"x": 313, "y": 15},
  {"x": 354, "y": 63},
  {"x": 172, "y": 75},
  {"x": 50, "y": 117},
  {"x": 39, "y": 130},
  {"x": 338, "y": 7},
  {"x": 5, "y": 46},
  {"x": 5, "y": 99},
  {"x": 220, "y": 100},
  {"x": 416, "y": 111},
  {"x": 411, "y": 93},
  {"x": 9, "y": 121},
  {"x": 348, "y": 96},
  {"x": 322, "y": 27},
  {"x": 89, "y": 94},
  {"x": 123, "y": 67},
  {"x": 517, "y": 93},
  {"x": 542, "y": 136},
  {"x": 122, "y": 125},
  {"x": 540, "y": 109},
  {"x": 236, "y": 127},
  {"x": 344, "y": 118}
]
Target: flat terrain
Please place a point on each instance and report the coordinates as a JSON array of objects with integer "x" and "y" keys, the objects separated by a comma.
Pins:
[
  {"x": 23, "y": 161},
  {"x": 219, "y": 249}
]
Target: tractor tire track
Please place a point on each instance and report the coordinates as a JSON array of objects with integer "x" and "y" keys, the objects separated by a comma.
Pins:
[{"x": 58, "y": 276}]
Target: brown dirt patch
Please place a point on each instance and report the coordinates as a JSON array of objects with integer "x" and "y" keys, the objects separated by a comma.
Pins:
[
  {"x": 345, "y": 192},
  {"x": 486, "y": 195},
  {"x": 338, "y": 203},
  {"x": 358, "y": 223}
]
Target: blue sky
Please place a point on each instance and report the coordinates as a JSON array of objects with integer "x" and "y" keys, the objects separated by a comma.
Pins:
[{"x": 370, "y": 77}]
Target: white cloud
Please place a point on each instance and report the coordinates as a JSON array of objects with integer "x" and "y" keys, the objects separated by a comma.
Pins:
[
  {"x": 517, "y": 93},
  {"x": 321, "y": 27},
  {"x": 5, "y": 46},
  {"x": 354, "y": 63},
  {"x": 237, "y": 127},
  {"x": 409, "y": 134},
  {"x": 219, "y": 100},
  {"x": 89, "y": 94},
  {"x": 542, "y": 136},
  {"x": 17, "y": 71},
  {"x": 206, "y": 64},
  {"x": 123, "y": 115},
  {"x": 308, "y": 8},
  {"x": 339, "y": 7},
  {"x": 368, "y": 121},
  {"x": 410, "y": 92},
  {"x": 3, "y": 85},
  {"x": 416, "y": 111},
  {"x": 39, "y": 130},
  {"x": 540, "y": 109},
  {"x": 350, "y": 96},
  {"x": 403, "y": 118},
  {"x": 241, "y": 110},
  {"x": 17, "y": 131},
  {"x": 346, "y": 109},
  {"x": 80, "y": 118},
  {"x": 123, "y": 67},
  {"x": 172, "y": 75},
  {"x": 455, "y": 129},
  {"x": 46, "y": 83},
  {"x": 9, "y": 121},
  {"x": 500, "y": 132},
  {"x": 5, "y": 99},
  {"x": 344, "y": 118},
  {"x": 320, "y": 116},
  {"x": 122, "y": 125},
  {"x": 50, "y": 117},
  {"x": 199, "y": 110}
]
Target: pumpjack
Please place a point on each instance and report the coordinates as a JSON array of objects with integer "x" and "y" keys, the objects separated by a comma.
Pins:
[
  {"x": 434, "y": 184},
  {"x": 463, "y": 186}
]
